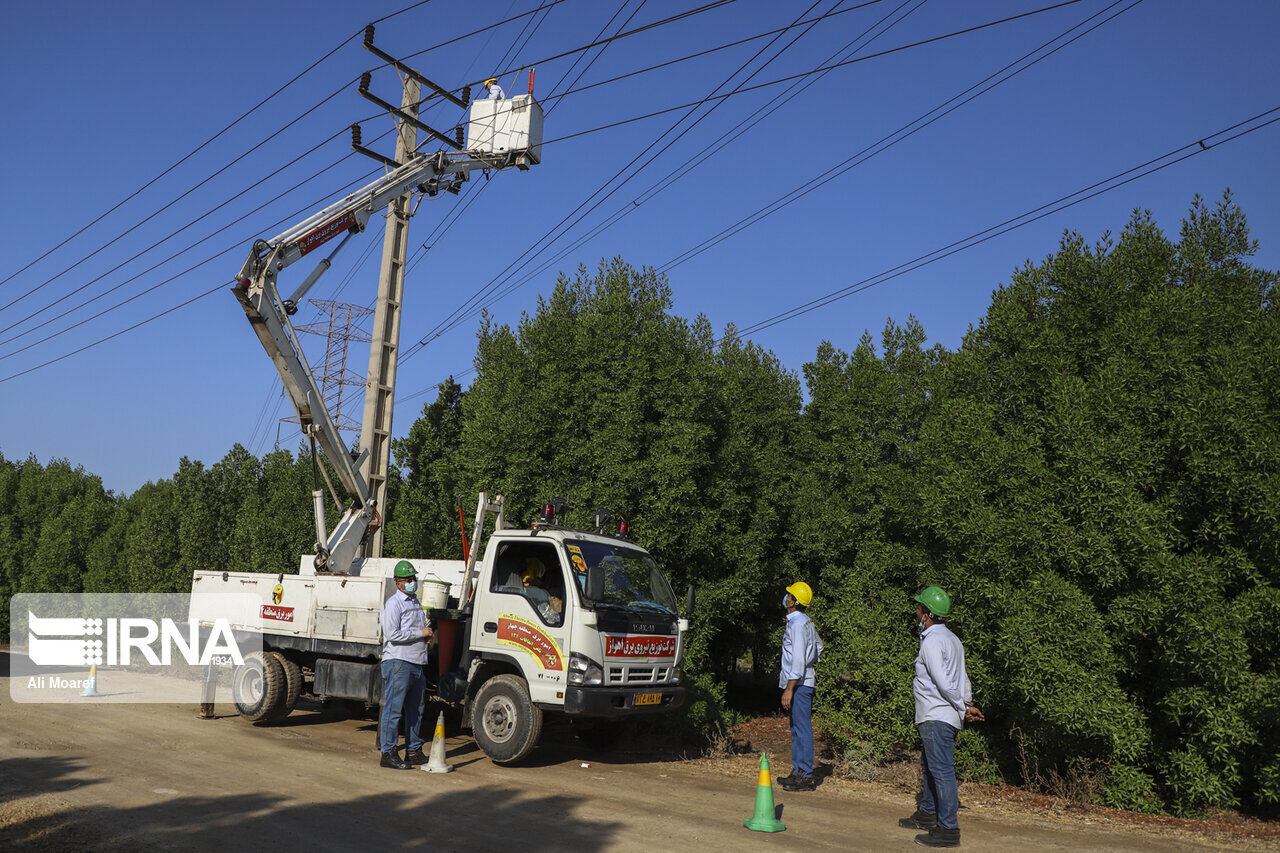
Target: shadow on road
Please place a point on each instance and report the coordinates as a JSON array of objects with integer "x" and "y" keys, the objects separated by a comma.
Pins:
[
  {"x": 31, "y": 777},
  {"x": 474, "y": 819}
]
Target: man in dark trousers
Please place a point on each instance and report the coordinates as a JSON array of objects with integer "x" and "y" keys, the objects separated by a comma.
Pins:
[
  {"x": 801, "y": 647},
  {"x": 405, "y": 635},
  {"x": 944, "y": 703}
]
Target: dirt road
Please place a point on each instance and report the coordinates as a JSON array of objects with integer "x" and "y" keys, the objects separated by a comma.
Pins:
[{"x": 153, "y": 777}]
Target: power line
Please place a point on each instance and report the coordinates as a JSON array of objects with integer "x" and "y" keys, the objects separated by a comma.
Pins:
[
  {"x": 838, "y": 65},
  {"x": 447, "y": 223},
  {"x": 458, "y": 313},
  {"x": 200, "y": 147},
  {"x": 819, "y": 70},
  {"x": 544, "y": 8},
  {"x": 176, "y": 276},
  {"x": 465, "y": 311},
  {"x": 680, "y": 171},
  {"x": 154, "y": 245},
  {"x": 1193, "y": 148},
  {"x": 902, "y": 133}
]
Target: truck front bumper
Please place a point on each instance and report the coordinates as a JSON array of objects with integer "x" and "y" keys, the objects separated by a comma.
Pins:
[{"x": 621, "y": 701}]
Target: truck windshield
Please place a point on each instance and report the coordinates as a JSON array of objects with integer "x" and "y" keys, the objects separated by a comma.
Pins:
[{"x": 632, "y": 580}]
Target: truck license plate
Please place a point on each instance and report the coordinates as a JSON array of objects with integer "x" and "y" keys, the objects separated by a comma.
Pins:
[{"x": 648, "y": 699}]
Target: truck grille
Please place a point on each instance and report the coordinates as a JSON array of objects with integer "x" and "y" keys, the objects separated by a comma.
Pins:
[{"x": 638, "y": 674}]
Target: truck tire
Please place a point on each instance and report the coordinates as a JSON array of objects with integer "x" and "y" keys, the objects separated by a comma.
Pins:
[
  {"x": 505, "y": 722},
  {"x": 258, "y": 686},
  {"x": 292, "y": 686}
]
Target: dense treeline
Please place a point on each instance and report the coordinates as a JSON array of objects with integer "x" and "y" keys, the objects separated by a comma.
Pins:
[{"x": 1094, "y": 474}]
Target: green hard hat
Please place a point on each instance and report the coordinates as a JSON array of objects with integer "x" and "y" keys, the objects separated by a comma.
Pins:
[
  {"x": 404, "y": 569},
  {"x": 935, "y": 600}
]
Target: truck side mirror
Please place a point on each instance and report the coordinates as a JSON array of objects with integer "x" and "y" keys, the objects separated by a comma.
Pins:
[
  {"x": 595, "y": 582},
  {"x": 688, "y": 602}
]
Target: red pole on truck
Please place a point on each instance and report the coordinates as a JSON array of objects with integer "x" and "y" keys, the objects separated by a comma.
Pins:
[{"x": 466, "y": 549}]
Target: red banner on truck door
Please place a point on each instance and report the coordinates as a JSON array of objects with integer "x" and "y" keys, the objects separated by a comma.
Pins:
[
  {"x": 638, "y": 646},
  {"x": 514, "y": 631}
]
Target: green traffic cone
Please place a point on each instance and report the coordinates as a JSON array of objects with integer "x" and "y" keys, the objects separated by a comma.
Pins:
[{"x": 764, "y": 820}]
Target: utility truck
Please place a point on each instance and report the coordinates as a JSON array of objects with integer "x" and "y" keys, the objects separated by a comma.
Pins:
[{"x": 550, "y": 620}]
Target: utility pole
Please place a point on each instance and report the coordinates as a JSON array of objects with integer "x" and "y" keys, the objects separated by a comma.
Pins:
[
  {"x": 500, "y": 133},
  {"x": 379, "y": 394}
]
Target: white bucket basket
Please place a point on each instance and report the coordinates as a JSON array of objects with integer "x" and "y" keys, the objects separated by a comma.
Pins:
[{"x": 434, "y": 594}]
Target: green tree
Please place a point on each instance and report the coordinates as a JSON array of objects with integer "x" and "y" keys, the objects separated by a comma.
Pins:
[{"x": 424, "y": 521}]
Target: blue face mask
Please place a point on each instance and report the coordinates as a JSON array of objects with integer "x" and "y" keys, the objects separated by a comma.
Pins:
[
  {"x": 411, "y": 587},
  {"x": 786, "y": 598},
  {"x": 920, "y": 626}
]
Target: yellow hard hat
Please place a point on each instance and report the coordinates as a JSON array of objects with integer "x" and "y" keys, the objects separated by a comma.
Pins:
[
  {"x": 801, "y": 592},
  {"x": 533, "y": 571},
  {"x": 490, "y": 80}
]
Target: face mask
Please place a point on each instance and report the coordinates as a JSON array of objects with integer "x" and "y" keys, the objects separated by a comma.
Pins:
[
  {"x": 411, "y": 587},
  {"x": 785, "y": 598},
  {"x": 920, "y": 626}
]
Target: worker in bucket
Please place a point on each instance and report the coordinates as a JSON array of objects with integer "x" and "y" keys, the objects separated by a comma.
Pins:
[
  {"x": 405, "y": 634},
  {"x": 801, "y": 648},
  {"x": 495, "y": 91},
  {"x": 944, "y": 703}
]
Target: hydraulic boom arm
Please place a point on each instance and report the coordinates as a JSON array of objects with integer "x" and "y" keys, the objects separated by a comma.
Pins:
[{"x": 269, "y": 314}]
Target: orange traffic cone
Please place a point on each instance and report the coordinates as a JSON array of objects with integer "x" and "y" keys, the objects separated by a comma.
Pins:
[{"x": 765, "y": 819}]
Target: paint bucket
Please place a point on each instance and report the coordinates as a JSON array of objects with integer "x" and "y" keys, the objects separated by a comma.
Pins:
[{"x": 434, "y": 594}]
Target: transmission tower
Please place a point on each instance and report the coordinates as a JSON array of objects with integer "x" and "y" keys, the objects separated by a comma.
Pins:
[{"x": 340, "y": 331}]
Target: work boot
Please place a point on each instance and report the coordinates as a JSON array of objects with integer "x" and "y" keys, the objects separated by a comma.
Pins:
[
  {"x": 392, "y": 759},
  {"x": 919, "y": 820},
  {"x": 800, "y": 783},
  {"x": 786, "y": 780},
  {"x": 415, "y": 756},
  {"x": 939, "y": 837}
]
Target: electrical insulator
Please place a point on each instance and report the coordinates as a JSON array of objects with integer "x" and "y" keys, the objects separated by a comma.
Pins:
[
  {"x": 355, "y": 135},
  {"x": 365, "y": 79},
  {"x": 368, "y": 35}
]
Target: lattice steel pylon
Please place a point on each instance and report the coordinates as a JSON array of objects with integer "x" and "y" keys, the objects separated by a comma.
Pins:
[{"x": 339, "y": 330}]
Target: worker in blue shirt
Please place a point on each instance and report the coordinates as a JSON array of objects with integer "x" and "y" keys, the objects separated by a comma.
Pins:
[
  {"x": 944, "y": 703},
  {"x": 405, "y": 634},
  {"x": 801, "y": 647}
]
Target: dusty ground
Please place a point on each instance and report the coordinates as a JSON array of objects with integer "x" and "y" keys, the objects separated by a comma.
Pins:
[{"x": 153, "y": 777}]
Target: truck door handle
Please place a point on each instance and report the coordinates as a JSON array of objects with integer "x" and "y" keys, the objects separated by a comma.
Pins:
[{"x": 491, "y": 627}]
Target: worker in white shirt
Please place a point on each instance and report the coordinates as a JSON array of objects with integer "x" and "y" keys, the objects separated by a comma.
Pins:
[
  {"x": 944, "y": 703},
  {"x": 801, "y": 648},
  {"x": 495, "y": 91}
]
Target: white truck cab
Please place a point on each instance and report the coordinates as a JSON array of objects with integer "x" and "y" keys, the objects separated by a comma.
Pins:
[{"x": 588, "y": 625}]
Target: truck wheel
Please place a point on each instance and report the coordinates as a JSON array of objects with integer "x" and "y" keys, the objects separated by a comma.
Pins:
[
  {"x": 504, "y": 720},
  {"x": 258, "y": 686},
  {"x": 292, "y": 686}
]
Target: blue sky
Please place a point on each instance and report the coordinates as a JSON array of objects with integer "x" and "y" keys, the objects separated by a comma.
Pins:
[{"x": 102, "y": 98}]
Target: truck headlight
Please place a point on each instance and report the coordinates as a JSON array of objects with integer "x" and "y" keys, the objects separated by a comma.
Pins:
[{"x": 583, "y": 670}]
